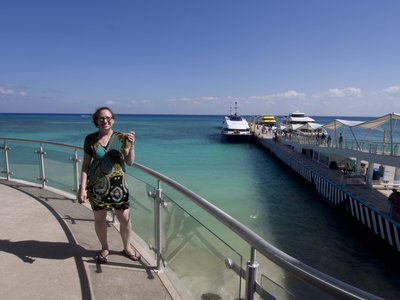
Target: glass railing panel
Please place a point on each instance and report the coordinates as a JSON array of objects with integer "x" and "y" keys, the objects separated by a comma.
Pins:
[
  {"x": 59, "y": 168},
  {"x": 273, "y": 290},
  {"x": 217, "y": 226},
  {"x": 142, "y": 211},
  {"x": 2, "y": 161},
  {"x": 193, "y": 209},
  {"x": 387, "y": 149},
  {"x": 23, "y": 161},
  {"x": 195, "y": 257},
  {"x": 277, "y": 283},
  {"x": 364, "y": 147},
  {"x": 379, "y": 148}
]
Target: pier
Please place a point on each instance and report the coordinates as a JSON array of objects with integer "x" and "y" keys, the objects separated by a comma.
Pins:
[{"x": 367, "y": 203}]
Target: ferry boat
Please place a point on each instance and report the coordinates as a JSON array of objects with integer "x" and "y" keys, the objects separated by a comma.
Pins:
[
  {"x": 300, "y": 123},
  {"x": 298, "y": 117},
  {"x": 267, "y": 120},
  {"x": 235, "y": 128}
]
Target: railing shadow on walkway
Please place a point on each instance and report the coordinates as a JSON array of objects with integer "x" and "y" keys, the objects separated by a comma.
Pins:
[{"x": 76, "y": 221}]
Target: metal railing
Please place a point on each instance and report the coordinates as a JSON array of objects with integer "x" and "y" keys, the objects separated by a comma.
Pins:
[
  {"x": 372, "y": 147},
  {"x": 271, "y": 257}
]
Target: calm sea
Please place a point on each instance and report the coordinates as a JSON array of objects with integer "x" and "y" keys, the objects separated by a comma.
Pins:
[{"x": 244, "y": 181}]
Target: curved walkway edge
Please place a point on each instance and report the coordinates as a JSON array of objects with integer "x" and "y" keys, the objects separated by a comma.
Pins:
[{"x": 48, "y": 245}]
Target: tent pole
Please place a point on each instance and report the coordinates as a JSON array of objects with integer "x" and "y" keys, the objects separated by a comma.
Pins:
[
  {"x": 391, "y": 134},
  {"x": 358, "y": 146}
]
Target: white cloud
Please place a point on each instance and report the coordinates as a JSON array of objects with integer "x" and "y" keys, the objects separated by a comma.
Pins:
[
  {"x": 342, "y": 93},
  {"x": 143, "y": 101},
  {"x": 259, "y": 97},
  {"x": 6, "y": 91},
  {"x": 111, "y": 102},
  {"x": 209, "y": 98},
  {"x": 391, "y": 90},
  {"x": 184, "y": 100},
  {"x": 291, "y": 94}
]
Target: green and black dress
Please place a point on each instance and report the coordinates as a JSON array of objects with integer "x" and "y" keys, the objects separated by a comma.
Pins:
[{"x": 106, "y": 186}]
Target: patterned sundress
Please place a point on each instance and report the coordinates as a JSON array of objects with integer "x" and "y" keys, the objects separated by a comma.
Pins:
[{"x": 106, "y": 186}]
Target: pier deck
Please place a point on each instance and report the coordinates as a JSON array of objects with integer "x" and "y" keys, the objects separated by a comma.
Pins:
[
  {"x": 47, "y": 251},
  {"x": 375, "y": 197},
  {"x": 370, "y": 206}
]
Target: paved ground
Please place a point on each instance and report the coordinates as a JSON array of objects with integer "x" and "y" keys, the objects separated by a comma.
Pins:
[{"x": 47, "y": 250}]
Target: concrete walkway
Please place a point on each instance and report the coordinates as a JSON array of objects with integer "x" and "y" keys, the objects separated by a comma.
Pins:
[{"x": 47, "y": 250}]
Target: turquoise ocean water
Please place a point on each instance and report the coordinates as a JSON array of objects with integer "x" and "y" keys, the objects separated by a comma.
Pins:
[{"x": 244, "y": 181}]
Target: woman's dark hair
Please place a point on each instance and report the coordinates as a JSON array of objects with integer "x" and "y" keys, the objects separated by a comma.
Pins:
[{"x": 95, "y": 116}]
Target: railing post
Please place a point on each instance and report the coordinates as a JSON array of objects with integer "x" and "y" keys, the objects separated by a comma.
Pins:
[
  {"x": 157, "y": 216},
  {"x": 6, "y": 163},
  {"x": 76, "y": 161},
  {"x": 41, "y": 166},
  {"x": 251, "y": 276}
]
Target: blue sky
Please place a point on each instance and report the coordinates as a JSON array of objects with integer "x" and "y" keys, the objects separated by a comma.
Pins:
[{"x": 338, "y": 57}]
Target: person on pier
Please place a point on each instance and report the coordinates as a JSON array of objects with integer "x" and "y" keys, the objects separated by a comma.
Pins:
[
  {"x": 394, "y": 200},
  {"x": 329, "y": 140},
  {"x": 103, "y": 180},
  {"x": 340, "y": 140}
]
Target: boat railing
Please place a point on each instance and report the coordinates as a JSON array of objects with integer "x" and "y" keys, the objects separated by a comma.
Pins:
[{"x": 200, "y": 260}]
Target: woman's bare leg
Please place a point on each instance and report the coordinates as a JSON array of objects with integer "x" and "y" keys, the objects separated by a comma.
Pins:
[
  {"x": 124, "y": 219},
  {"x": 100, "y": 226}
]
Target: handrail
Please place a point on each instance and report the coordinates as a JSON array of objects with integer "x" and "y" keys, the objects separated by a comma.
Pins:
[
  {"x": 366, "y": 146},
  {"x": 320, "y": 280},
  {"x": 331, "y": 285},
  {"x": 41, "y": 142}
]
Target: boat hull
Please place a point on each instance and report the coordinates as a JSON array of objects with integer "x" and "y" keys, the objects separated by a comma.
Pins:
[{"x": 235, "y": 137}]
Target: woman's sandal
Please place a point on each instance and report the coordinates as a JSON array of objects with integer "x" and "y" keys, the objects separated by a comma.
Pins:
[
  {"x": 102, "y": 259},
  {"x": 134, "y": 257}
]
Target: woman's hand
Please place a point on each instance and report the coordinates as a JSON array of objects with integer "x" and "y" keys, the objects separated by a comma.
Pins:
[
  {"x": 129, "y": 148},
  {"x": 82, "y": 198},
  {"x": 130, "y": 140}
]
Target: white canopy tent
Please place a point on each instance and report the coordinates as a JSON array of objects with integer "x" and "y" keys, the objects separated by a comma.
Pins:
[
  {"x": 391, "y": 118},
  {"x": 310, "y": 126},
  {"x": 335, "y": 124},
  {"x": 289, "y": 127},
  {"x": 371, "y": 124},
  {"x": 301, "y": 119},
  {"x": 292, "y": 127},
  {"x": 282, "y": 127}
]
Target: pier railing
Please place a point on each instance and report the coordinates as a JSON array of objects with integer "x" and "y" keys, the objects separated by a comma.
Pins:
[
  {"x": 191, "y": 245},
  {"x": 371, "y": 147}
]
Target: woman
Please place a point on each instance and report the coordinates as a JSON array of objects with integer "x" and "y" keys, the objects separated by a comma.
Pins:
[{"x": 103, "y": 181}]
